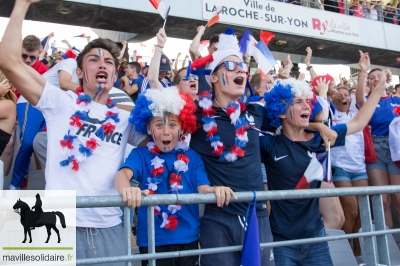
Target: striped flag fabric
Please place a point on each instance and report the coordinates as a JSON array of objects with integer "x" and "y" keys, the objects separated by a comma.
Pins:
[
  {"x": 203, "y": 45},
  {"x": 161, "y": 7},
  {"x": 263, "y": 56},
  {"x": 244, "y": 41},
  {"x": 266, "y": 36},
  {"x": 317, "y": 170},
  {"x": 215, "y": 18},
  {"x": 43, "y": 42},
  {"x": 80, "y": 36},
  {"x": 251, "y": 246}
]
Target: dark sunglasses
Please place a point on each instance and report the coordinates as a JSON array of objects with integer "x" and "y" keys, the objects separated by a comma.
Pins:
[
  {"x": 188, "y": 78},
  {"x": 231, "y": 66},
  {"x": 32, "y": 57}
]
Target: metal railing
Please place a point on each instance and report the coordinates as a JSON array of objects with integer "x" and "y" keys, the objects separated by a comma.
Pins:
[{"x": 370, "y": 237}]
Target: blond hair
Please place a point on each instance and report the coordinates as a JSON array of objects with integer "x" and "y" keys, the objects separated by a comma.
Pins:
[{"x": 9, "y": 95}]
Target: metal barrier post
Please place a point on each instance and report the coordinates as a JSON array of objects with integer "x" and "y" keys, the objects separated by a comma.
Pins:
[
  {"x": 151, "y": 240},
  {"x": 346, "y": 8},
  {"x": 127, "y": 230},
  {"x": 379, "y": 220},
  {"x": 380, "y": 12},
  {"x": 366, "y": 224}
]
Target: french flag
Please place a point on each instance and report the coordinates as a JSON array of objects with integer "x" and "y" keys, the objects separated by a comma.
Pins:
[
  {"x": 44, "y": 43},
  {"x": 317, "y": 170},
  {"x": 263, "y": 56},
  {"x": 80, "y": 36},
  {"x": 215, "y": 18},
  {"x": 203, "y": 45},
  {"x": 251, "y": 246},
  {"x": 161, "y": 7}
]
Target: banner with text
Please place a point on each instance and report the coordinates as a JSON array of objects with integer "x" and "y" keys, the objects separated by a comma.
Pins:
[{"x": 286, "y": 18}]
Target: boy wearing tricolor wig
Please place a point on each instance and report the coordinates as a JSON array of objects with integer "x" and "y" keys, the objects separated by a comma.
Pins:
[
  {"x": 293, "y": 160},
  {"x": 167, "y": 166}
]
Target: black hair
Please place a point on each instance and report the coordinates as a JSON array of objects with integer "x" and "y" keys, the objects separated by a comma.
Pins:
[
  {"x": 105, "y": 44},
  {"x": 136, "y": 66}
]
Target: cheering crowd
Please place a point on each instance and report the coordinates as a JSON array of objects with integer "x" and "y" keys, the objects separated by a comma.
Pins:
[{"x": 208, "y": 127}]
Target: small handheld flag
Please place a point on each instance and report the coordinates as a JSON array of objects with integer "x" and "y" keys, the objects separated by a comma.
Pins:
[
  {"x": 165, "y": 20},
  {"x": 203, "y": 45},
  {"x": 317, "y": 170},
  {"x": 44, "y": 42},
  {"x": 244, "y": 41},
  {"x": 161, "y": 7},
  {"x": 215, "y": 18},
  {"x": 80, "y": 36},
  {"x": 263, "y": 56},
  {"x": 266, "y": 36},
  {"x": 251, "y": 245}
]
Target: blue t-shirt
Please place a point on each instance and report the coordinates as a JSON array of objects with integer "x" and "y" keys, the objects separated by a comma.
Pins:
[
  {"x": 139, "y": 82},
  {"x": 244, "y": 174},
  {"x": 285, "y": 162},
  {"x": 383, "y": 115},
  {"x": 187, "y": 231}
]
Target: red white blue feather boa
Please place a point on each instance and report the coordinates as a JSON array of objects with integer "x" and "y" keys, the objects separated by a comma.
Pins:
[
  {"x": 169, "y": 216},
  {"x": 210, "y": 126},
  {"x": 78, "y": 153}
]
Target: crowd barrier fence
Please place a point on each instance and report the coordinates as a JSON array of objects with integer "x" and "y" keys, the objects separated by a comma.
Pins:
[{"x": 371, "y": 237}]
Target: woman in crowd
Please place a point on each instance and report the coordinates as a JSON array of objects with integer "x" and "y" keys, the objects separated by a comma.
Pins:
[
  {"x": 7, "y": 115},
  {"x": 348, "y": 165},
  {"x": 383, "y": 171}
]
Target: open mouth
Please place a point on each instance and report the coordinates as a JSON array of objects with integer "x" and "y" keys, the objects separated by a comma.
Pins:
[
  {"x": 193, "y": 86},
  {"x": 239, "y": 80},
  {"x": 166, "y": 142},
  {"x": 101, "y": 77},
  {"x": 344, "y": 103},
  {"x": 305, "y": 116}
]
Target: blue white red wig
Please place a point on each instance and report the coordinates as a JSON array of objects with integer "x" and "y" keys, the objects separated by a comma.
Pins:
[
  {"x": 158, "y": 103},
  {"x": 281, "y": 95}
]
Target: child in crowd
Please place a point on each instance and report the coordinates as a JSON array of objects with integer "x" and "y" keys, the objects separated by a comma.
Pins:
[{"x": 167, "y": 166}]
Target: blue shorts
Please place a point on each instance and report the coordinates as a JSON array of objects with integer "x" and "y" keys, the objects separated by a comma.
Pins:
[
  {"x": 306, "y": 254},
  {"x": 384, "y": 159},
  {"x": 339, "y": 174}
]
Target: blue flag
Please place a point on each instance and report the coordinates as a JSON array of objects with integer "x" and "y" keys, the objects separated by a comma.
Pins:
[
  {"x": 251, "y": 245},
  {"x": 244, "y": 41}
]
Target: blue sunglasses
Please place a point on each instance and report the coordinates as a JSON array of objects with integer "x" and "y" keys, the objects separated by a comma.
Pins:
[{"x": 231, "y": 66}]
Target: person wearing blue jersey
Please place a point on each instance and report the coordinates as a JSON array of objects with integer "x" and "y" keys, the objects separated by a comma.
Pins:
[
  {"x": 384, "y": 171},
  {"x": 287, "y": 156}
]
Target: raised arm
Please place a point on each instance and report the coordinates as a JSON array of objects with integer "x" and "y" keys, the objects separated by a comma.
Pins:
[
  {"x": 124, "y": 44},
  {"x": 29, "y": 83},
  {"x": 46, "y": 46},
  {"x": 176, "y": 61},
  {"x": 194, "y": 46},
  {"x": 307, "y": 61},
  {"x": 154, "y": 67},
  {"x": 367, "y": 110},
  {"x": 364, "y": 64},
  {"x": 184, "y": 61}
]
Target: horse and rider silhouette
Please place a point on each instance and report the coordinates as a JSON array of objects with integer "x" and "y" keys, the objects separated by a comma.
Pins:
[{"x": 31, "y": 219}]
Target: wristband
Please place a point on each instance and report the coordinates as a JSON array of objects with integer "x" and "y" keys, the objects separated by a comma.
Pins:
[
  {"x": 157, "y": 49},
  {"x": 159, "y": 46},
  {"x": 309, "y": 67}
]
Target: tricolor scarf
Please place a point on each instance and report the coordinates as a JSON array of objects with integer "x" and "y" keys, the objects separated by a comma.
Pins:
[
  {"x": 77, "y": 151},
  {"x": 233, "y": 110},
  {"x": 169, "y": 216}
]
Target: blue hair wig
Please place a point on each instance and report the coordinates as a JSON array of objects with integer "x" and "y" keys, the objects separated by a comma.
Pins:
[
  {"x": 276, "y": 102},
  {"x": 141, "y": 114}
]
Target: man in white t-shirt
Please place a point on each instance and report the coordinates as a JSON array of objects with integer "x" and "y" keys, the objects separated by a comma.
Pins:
[
  {"x": 86, "y": 134},
  {"x": 63, "y": 75}
]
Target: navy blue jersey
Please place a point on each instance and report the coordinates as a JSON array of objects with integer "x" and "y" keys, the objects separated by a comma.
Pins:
[
  {"x": 244, "y": 174},
  {"x": 286, "y": 161}
]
